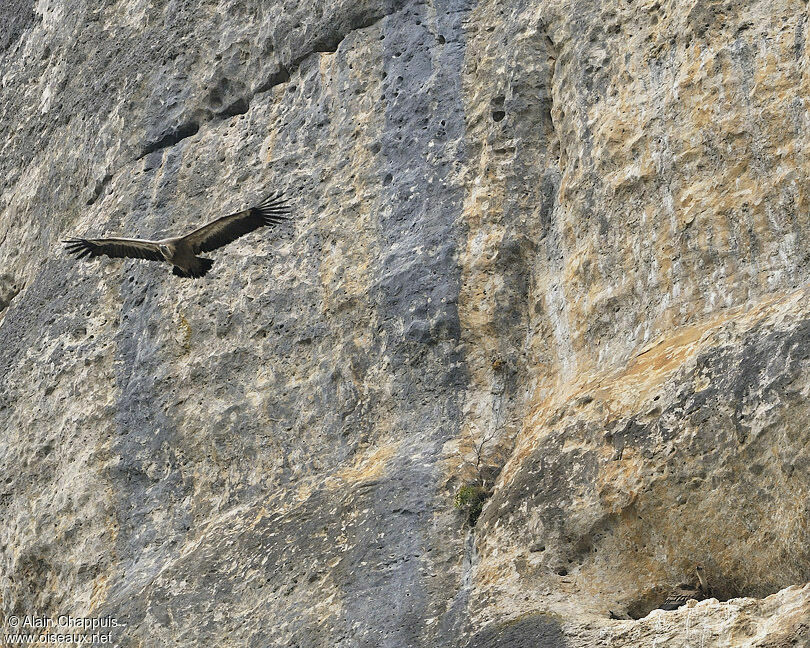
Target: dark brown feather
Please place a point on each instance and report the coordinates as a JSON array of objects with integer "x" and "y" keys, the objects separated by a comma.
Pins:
[
  {"x": 682, "y": 594},
  {"x": 271, "y": 211},
  {"x": 114, "y": 247}
]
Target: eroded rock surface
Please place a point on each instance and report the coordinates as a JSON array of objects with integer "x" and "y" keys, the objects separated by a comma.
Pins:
[{"x": 555, "y": 250}]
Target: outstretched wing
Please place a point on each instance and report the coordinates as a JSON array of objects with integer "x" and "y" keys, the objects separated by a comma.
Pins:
[
  {"x": 114, "y": 247},
  {"x": 271, "y": 211}
]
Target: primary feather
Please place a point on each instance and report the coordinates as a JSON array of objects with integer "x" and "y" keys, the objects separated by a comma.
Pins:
[
  {"x": 115, "y": 247},
  {"x": 271, "y": 211}
]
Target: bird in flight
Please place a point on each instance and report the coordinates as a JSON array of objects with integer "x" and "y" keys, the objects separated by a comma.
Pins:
[{"x": 182, "y": 251}]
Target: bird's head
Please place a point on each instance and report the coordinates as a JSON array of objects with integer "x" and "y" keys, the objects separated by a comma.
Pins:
[{"x": 701, "y": 574}]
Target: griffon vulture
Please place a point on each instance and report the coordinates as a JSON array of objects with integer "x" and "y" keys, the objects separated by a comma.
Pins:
[
  {"x": 181, "y": 251},
  {"x": 687, "y": 591}
]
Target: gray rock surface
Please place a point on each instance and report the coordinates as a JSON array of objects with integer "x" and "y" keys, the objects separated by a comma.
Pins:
[{"x": 555, "y": 251}]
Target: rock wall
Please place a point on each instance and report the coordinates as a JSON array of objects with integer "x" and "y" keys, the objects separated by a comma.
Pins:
[{"x": 555, "y": 253}]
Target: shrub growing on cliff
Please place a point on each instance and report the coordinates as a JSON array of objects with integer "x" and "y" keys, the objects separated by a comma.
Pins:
[{"x": 470, "y": 500}]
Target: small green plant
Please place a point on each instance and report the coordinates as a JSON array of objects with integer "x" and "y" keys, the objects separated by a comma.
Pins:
[{"x": 470, "y": 500}]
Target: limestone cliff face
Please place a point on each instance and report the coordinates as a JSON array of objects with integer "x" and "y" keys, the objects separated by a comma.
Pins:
[{"x": 553, "y": 251}]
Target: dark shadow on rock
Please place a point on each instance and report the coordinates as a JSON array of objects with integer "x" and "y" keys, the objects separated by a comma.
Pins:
[
  {"x": 15, "y": 16},
  {"x": 533, "y": 631}
]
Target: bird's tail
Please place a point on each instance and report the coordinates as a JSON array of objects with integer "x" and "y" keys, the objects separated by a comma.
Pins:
[
  {"x": 203, "y": 266},
  {"x": 273, "y": 209},
  {"x": 199, "y": 269}
]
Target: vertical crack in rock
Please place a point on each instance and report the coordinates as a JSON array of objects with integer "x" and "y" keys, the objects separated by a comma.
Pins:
[
  {"x": 531, "y": 243},
  {"x": 513, "y": 263},
  {"x": 551, "y": 302}
]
